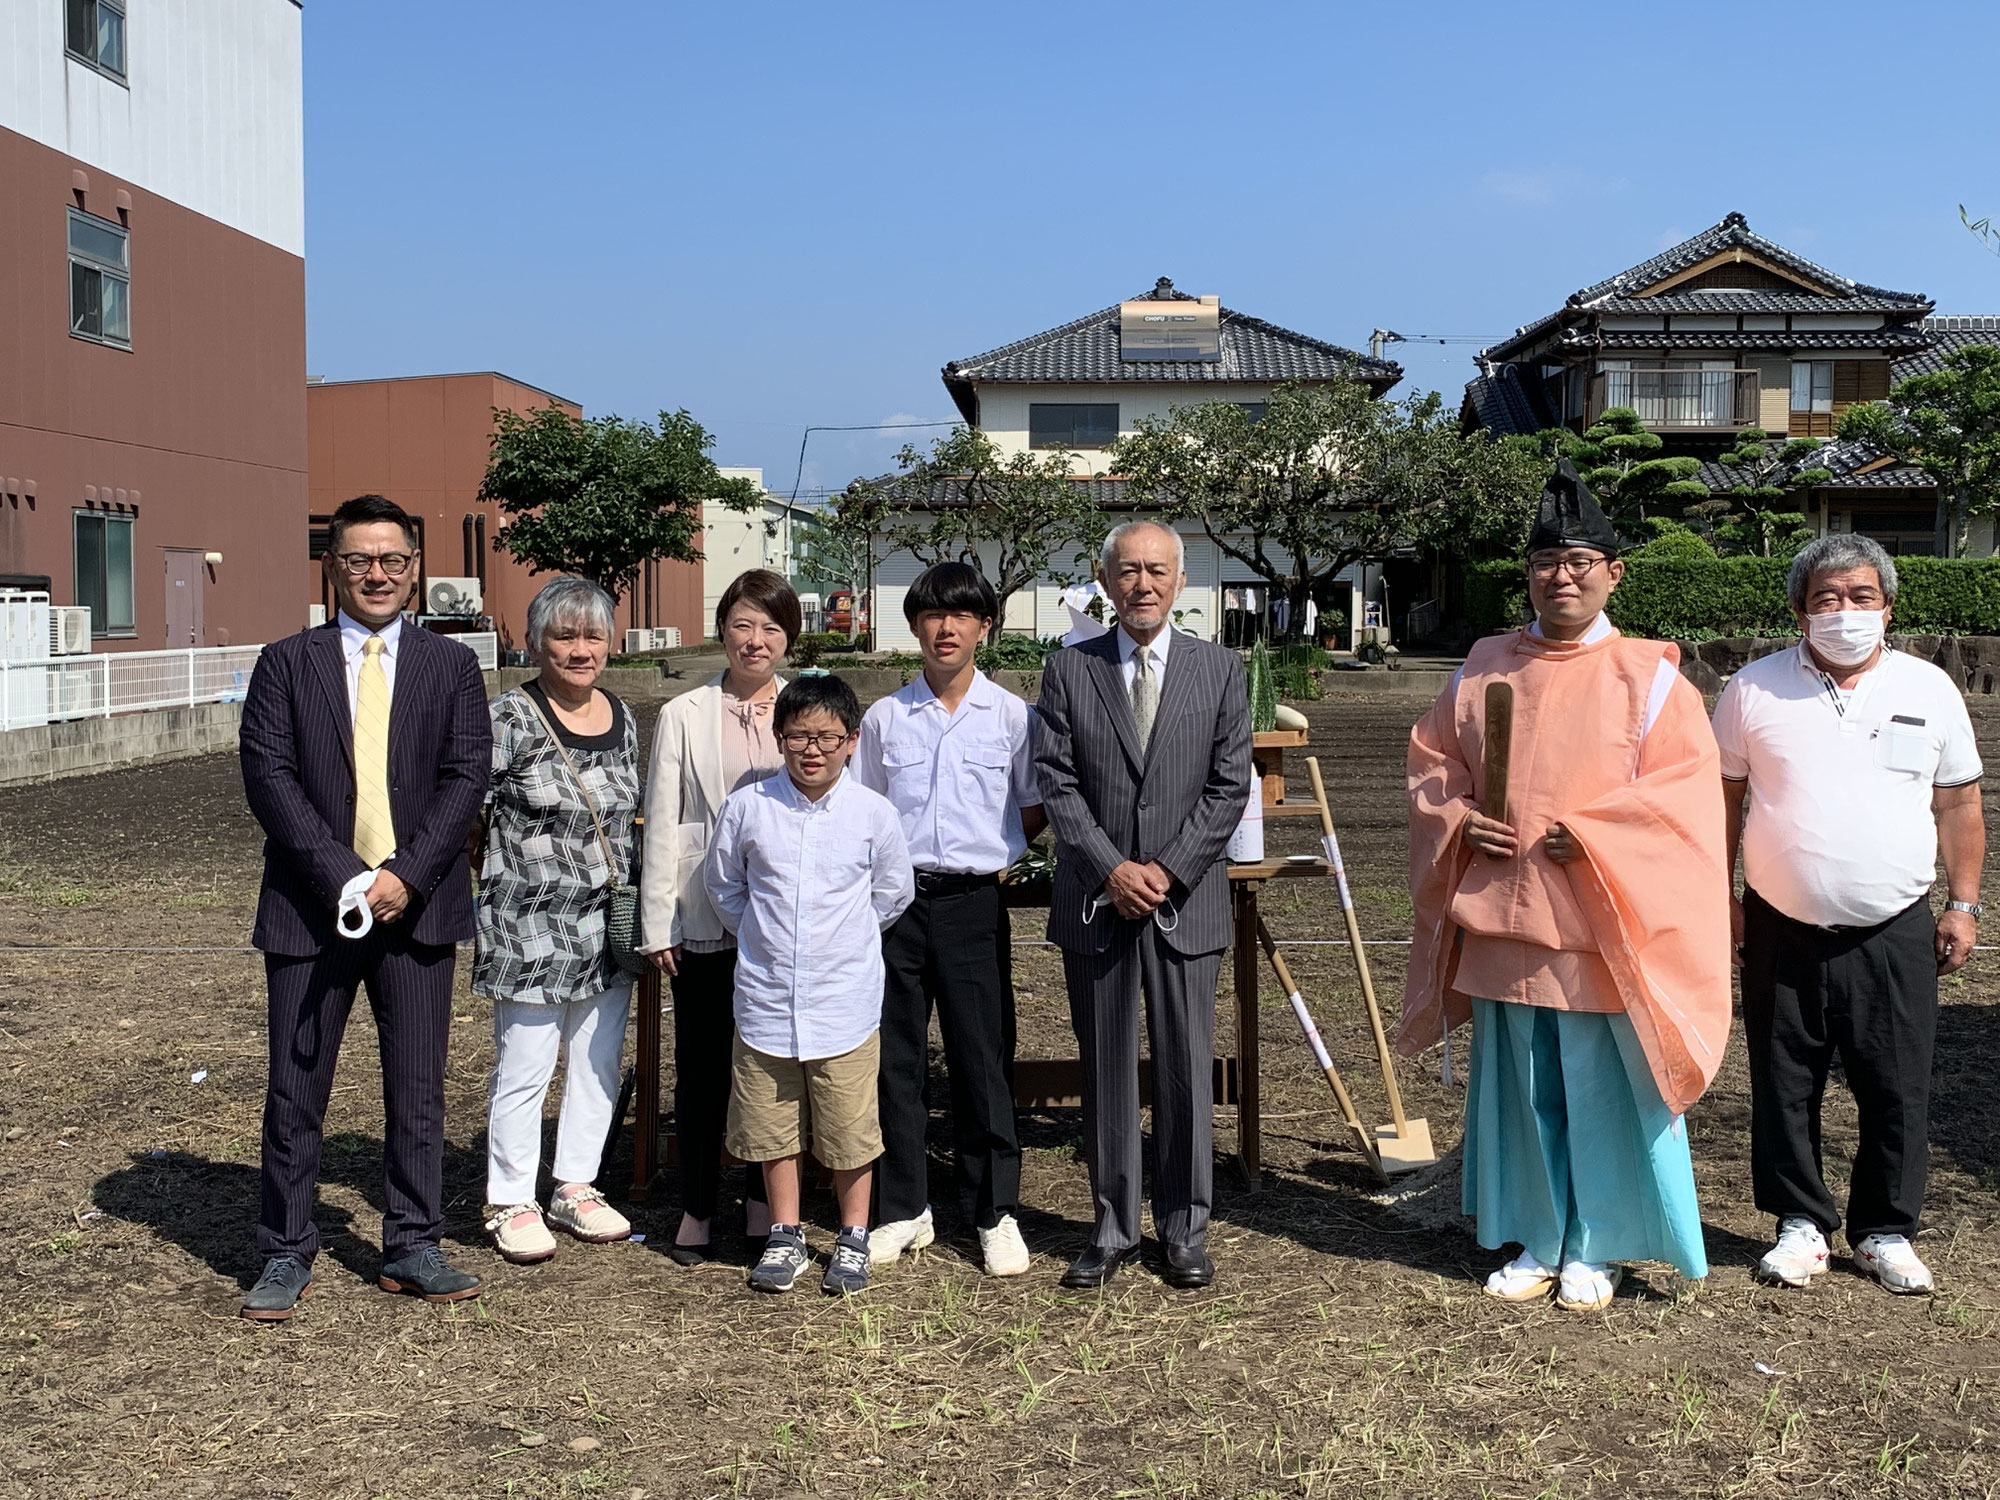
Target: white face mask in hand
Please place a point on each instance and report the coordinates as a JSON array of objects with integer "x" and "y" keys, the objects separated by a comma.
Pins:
[{"x": 1847, "y": 637}]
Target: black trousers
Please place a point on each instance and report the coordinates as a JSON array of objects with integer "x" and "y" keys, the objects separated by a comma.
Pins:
[
  {"x": 1104, "y": 1005},
  {"x": 409, "y": 990},
  {"x": 952, "y": 950},
  {"x": 1870, "y": 995},
  {"x": 704, "y": 1023}
]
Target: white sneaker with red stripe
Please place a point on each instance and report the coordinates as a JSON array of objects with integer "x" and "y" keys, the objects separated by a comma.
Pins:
[
  {"x": 1891, "y": 1260},
  {"x": 1799, "y": 1255}
]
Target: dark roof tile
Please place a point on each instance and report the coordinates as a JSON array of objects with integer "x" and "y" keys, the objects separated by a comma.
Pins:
[{"x": 1948, "y": 335}]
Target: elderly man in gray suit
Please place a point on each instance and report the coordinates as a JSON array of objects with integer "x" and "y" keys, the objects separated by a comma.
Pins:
[{"x": 1142, "y": 745}]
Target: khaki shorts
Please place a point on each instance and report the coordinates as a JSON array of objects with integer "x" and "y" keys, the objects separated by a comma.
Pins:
[{"x": 777, "y": 1104}]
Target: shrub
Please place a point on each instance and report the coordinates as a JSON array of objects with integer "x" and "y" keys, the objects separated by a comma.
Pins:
[
  {"x": 1683, "y": 596},
  {"x": 1015, "y": 653},
  {"x": 1295, "y": 683},
  {"x": 1262, "y": 689},
  {"x": 1300, "y": 654}
]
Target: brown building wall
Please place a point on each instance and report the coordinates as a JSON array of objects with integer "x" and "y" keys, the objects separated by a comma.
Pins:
[
  {"x": 424, "y": 443},
  {"x": 198, "y": 431}
]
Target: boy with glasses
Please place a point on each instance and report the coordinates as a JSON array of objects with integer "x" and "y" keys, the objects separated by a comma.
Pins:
[
  {"x": 806, "y": 869},
  {"x": 952, "y": 752}
]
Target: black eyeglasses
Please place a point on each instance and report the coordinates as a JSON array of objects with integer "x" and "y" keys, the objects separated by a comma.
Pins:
[
  {"x": 1576, "y": 567},
  {"x": 826, "y": 740},
  {"x": 357, "y": 564}
]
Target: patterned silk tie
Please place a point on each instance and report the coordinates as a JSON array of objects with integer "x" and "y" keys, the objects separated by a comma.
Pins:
[
  {"x": 1145, "y": 693},
  {"x": 374, "y": 825}
]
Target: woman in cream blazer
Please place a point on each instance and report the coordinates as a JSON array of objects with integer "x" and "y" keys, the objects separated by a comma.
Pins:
[{"x": 707, "y": 743}]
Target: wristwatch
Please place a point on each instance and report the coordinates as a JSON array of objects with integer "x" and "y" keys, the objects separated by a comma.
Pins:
[{"x": 1971, "y": 908}]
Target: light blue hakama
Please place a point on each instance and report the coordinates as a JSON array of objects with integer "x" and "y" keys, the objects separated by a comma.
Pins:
[{"x": 1569, "y": 1150}]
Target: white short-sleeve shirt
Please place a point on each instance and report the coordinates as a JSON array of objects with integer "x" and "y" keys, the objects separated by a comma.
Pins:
[
  {"x": 1838, "y": 829},
  {"x": 958, "y": 780}
]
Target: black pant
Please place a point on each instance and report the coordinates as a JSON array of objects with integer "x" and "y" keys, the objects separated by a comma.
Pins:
[
  {"x": 409, "y": 989},
  {"x": 1869, "y": 994},
  {"x": 704, "y": 1022},
  {"x": 953, "y": 950}
]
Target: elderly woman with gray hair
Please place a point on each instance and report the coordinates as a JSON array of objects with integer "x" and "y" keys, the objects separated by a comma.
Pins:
[{"x": 559, "y": 834}]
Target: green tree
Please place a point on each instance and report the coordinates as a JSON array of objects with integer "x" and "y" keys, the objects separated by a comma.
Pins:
[
  {"x": 841, "y": 545},
  {"x": 1768, "y": 474},
  {"x": 1619, "y": 460},
  {"x": 602, "y": 496},
  {"x": 1015, "y": 517},
  {"x": 1329, "y": 476},
  {"x": 1948, "y": 425}
]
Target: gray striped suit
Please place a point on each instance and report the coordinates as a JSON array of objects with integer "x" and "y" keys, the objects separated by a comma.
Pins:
[{"x": 1175, "y": 800}]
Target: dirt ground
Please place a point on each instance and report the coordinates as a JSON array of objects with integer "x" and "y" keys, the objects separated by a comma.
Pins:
[{"x": 1345, "y": 1347}]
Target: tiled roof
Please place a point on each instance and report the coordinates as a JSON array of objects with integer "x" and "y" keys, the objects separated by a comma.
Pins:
[
  {"x": 1087, "y": 350},
  {"x": 1505, "y": 405},
  {"x": 1107, "y": 492},
  {"x": 1619, "y": 293},
  {"x": 1699, "y": 303},
  {"x": 1948, "y": 335},
  {"x": 1909, "y": 339},
  {"x": 1845, "y": 458}
]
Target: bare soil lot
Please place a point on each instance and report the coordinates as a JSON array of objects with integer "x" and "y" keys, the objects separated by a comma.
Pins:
[{"x": 1344, "y": 1349}]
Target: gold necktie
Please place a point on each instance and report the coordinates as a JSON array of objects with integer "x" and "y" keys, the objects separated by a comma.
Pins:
[
  {"x": 374, "y": 824},
  {"x": 1145, "y": 694}
]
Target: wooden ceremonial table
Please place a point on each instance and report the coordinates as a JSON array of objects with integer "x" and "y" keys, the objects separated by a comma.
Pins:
[{"x": 1047, "y": 1083}]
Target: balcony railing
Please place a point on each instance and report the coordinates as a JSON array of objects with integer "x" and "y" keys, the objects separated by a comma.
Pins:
[{"x": 1677, "y": 398}]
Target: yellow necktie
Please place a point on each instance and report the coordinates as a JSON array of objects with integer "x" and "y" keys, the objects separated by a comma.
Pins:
[{"x": 374, "y": 825}]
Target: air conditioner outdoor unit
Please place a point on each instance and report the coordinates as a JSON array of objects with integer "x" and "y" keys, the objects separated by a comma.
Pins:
[
  {"x": 315, "y": 615},
  {"x": 667, "y": 635},
  {"x": 453, "y": 596},
  {"x": 638, "y": 640},
  {"x": 69, "y": 630},
  {"x": 653, "y": 638},
  {"x": 484, "y": 644}
]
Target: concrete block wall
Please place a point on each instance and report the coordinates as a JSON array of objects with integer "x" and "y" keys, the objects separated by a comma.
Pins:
[{"x": 81, "y": 746}]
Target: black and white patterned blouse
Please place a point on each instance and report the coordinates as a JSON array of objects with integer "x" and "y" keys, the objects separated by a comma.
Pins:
[{"x": 541, "y": 885}]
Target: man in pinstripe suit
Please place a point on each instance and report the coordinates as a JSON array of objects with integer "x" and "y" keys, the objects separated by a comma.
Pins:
[
  {"x": 366, "y": 752},
  {"x": 1142, "y": 746}
]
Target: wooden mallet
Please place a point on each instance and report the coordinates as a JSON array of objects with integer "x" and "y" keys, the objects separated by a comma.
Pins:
[
  {"x": 1361, "y": 1136},
  {"x": 1405, "y": 1145}
]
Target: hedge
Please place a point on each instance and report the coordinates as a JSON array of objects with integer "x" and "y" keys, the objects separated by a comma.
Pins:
[{"x": 1685, "y": 598}]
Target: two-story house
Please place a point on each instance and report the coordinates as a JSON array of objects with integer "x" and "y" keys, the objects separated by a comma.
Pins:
[
  {"x": 1728, "y": 330},
  {"x": 1082, "y": 385}
]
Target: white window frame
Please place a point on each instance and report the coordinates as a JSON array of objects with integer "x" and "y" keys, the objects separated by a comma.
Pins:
[{"x": 105, "y": 271}]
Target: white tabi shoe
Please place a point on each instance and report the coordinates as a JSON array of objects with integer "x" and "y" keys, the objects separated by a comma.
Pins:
[
  {"x": 887, "y": 1242},
  {"x": 1587, "y": 1286},
  {"x": 1891, "y": 1260},
  {"x": 1522, "y": 1279},
  {"x": 1799, "y": 1255}
]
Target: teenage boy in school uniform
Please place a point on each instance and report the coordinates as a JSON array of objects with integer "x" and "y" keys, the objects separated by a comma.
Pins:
[
  {"x": 953, "y": 753},
  {"x": 806, "y": 869}
]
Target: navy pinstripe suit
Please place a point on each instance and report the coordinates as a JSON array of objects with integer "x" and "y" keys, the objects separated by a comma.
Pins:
[
  {"x": 298, "y": 773},
  {"x": 1175, "y": 799}
]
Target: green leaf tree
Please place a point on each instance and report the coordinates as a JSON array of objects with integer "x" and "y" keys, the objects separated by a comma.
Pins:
[
  {"x": 1329, "y": 476},
  {"x": 1015, "y": 517},
  {"x": 1948, "y": 425},
  {"x": 841, "y": 544},
  {"x": 602, "y": 496},
  {"x": 1619, "y": 460},
  {"x": 1768, "y": 474}
]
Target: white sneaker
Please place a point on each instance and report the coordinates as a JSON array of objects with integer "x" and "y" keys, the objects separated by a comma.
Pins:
[
  {"x": 520, "y": 1235},
  {"x": 1587, "y": 1286},
  {"x": 1891, "y": 1261},
  {"x": 1005, "y": 1252},
  {"x": 581, "y": 1209},
  {"x": 887, "y": 1242},
  {"x": 1522, "y": 1279},
  {"x": 1799, "y": 1255}
]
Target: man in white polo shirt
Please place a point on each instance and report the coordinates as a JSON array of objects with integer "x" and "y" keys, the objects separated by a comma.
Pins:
[{"x": 1859, "y": 767}]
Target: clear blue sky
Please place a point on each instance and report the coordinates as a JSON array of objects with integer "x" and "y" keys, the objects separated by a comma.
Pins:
[{"x": 779, "y": 215}]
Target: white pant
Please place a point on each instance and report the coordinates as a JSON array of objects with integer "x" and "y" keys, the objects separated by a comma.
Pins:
[{"x": 527, "y": 1037}]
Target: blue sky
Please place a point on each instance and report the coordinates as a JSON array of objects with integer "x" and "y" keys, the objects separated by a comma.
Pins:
[{"x": 780, "y": 215}]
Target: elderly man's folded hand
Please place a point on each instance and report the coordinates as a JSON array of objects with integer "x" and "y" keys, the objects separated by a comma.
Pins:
[{"x": 1137, "y": 890}]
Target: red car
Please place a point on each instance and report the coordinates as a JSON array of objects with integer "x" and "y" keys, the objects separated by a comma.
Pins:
[{"x": 839, "y": 607}]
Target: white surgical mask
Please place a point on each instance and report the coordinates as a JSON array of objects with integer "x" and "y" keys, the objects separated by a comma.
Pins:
[{"x": 1847, "y": 637}]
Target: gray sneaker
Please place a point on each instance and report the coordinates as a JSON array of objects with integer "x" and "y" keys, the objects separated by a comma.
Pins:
[
  {"x": 276, "y": 1295},
  {"x": 784, "y": 1258},
  {"x": 425, "y": 1273},
  {"x": 848, "y": 1270}
]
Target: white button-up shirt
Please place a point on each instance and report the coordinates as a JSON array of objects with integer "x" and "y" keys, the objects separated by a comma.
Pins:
[
  {"x": 807, "y": 888},
  {"x": 354, "y": 646},
  {"x": 1128, "y": 668},
  {"x": 958, "y": 780},
  {"x": 1838, "y": 829}
]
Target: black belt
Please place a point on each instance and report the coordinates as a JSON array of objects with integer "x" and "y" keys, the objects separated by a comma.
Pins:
[{"x": 944, "y": 883}]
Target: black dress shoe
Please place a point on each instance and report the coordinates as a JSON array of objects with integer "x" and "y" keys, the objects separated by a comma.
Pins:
[
  {"x": 425, "y": 1273},
  {"x": 276, "y": 1295},
  {"x": 1095, "y": 1267},
  {"x": 1187, "y": 1267}
]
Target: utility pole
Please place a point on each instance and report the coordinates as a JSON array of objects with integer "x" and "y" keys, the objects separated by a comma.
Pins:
[{"x": 1381, "y": 337}]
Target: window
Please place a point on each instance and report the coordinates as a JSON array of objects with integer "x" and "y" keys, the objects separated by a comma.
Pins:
[
  {"x": 1067, "y": 426},
  {"x": 104, "y": 571},
  {"x": 1254, "y": 410},
  {"x": 1812, "y": 385},
  {"x": 100, "y": 280},
  {"x": 96, "y": 35}
]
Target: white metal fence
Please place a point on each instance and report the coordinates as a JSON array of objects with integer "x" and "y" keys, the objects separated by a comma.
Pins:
[{"x": 87, "y": 687}]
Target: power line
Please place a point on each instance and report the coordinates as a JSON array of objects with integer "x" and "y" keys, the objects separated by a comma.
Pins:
[{"x": 806, "y": 437}]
